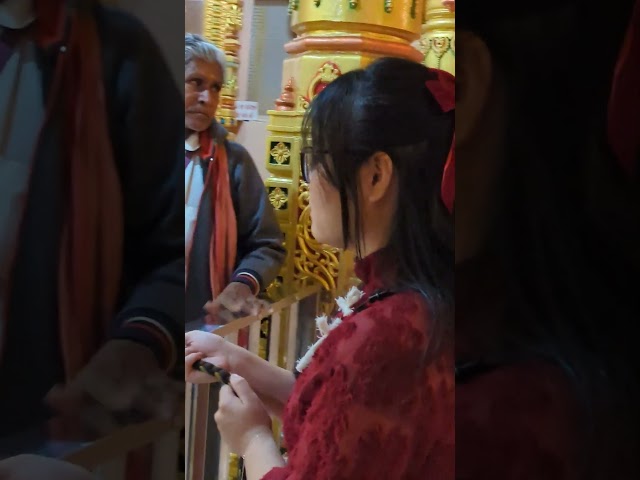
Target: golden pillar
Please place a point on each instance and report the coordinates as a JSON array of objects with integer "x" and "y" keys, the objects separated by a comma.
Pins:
[
  {"x": 332, "y": 37},
  {"x": 222, "y": 24},
  {"x": 438, "y": 40}
]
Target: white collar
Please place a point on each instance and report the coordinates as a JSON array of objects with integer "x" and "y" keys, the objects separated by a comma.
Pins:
[
  {"x": 16, "y": 14},
  {"x": 192, "y": 143}
]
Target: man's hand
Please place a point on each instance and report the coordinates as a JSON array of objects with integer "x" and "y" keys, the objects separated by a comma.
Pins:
[
  {"x": 34, "y": 467},
  {"x": 121, "y": 384},
  {"x": 236, "y": 301}
]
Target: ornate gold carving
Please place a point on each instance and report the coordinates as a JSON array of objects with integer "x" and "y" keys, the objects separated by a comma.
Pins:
[
  {"x": 280, "y": 153},
  {"x": 326, "y": 74},
  {"x": 287, "y": 100},
  {"x": 438, "y": 42},
  {"x": 278, "y": 197},
  {"x": 436, "y": 47},
  {"x": 223, "y": 21},
  {"x": 303, "y": 103},
  {"x": 312, "y": 259},
  {"x": 234, "y": 16},
  {"x": 388, "y": 6}
]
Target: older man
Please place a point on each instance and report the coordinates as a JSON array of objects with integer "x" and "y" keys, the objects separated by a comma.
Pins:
[
  {"x": 234, "y": 244},
  {"x": 91, "y": 254}
]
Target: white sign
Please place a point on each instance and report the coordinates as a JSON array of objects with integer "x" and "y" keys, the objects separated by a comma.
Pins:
[{"x": 247, "y": 111}]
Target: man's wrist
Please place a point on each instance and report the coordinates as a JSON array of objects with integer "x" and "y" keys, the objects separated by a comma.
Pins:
[
  {"x": 151, "y": 334},
  {"x": 249, "y": 278}
]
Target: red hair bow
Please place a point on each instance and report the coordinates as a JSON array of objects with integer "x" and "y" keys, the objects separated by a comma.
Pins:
[
  {"x": 443, "y": 88},
  {"x": 624, "y": 103}
]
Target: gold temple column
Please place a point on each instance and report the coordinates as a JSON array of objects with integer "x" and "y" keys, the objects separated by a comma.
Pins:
[
  {"x": 438, "y": 39},
  {"x": 332, "y": 37},
  {"x": 222, "y": 24}
]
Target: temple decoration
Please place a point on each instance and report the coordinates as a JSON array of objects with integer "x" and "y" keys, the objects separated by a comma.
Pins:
[
  {"x": 388, "y": 6},
  {"x": 293, "y": 5},
  {"x": 326, "y": 74},
  {"x": 223, "y": 21},
  {"x": 332, "y": 38},
  {"x": 287, "y": 100},
  {"x": 438, "y": 41}
]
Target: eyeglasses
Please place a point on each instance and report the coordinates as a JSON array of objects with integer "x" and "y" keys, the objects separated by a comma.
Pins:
[{"x": 307, "y": 161}]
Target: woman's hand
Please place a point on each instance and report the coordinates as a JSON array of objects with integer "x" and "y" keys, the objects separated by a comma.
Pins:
[
  {"x": 241, "y": 418},
  {"x": 209, "y": 347}
]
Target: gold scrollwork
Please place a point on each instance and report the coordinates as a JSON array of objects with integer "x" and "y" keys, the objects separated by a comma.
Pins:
[
  {"x": 233, "y": 17},
  {"x": 440, "y": 45},
  {"x": 303, "y": 103},
  {"x": 280, "y": 153},
  {"x": 326, "y": 74},
  {"x": 313, "y": 259},
  {"x": 278, "y": 197},
  {"x": 437, "y": 47}
]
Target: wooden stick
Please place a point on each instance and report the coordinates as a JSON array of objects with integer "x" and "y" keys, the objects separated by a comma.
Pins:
[{"x": 243, "y": 322}]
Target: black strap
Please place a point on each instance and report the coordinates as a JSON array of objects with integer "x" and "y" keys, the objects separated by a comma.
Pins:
[
  {"x": 467, "y": 371},
  {"x": 376, "y": 296}
]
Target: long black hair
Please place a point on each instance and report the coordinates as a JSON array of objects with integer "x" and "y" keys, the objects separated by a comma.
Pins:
[
  {"x": 570, "y": 272},
  {"x": 387, "y": 107}
]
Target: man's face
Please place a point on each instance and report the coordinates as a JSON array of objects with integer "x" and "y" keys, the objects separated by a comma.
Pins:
[{"x": 202, "y": 85}]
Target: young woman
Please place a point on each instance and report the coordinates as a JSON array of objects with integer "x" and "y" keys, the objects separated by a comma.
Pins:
[
  {"x": 546, "y": 237},
  {"x": 375, "y": 396}
]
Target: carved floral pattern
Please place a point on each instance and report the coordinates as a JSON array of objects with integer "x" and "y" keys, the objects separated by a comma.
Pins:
[
  {"x": 281, "y": 153},
  {"x": 278, "y": 197}
]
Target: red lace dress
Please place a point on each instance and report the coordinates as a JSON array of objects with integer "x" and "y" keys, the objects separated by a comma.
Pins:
[
  {"x": 519, "y": 420},
  {"x": 364, "y": 408}
]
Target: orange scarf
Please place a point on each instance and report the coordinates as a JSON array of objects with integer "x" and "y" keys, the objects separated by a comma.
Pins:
[
  {"x": 92, "y": 232},
  {"x": 224, "y": 238}
]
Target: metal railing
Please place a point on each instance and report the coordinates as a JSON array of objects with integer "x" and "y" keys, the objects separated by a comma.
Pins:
[
  {"x": 290, "y": 330},
  {"x": 108, "y": 456},
  {"x": 156, "y": 443}
]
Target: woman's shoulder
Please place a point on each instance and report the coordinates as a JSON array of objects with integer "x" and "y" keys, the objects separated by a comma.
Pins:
[
  {"x": 391, "y": 331},
  {"x": 519, "y": 420}
]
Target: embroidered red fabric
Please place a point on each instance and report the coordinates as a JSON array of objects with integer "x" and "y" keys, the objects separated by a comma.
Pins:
[
  {"x": 521, "y": 420},
  {"x": 518, "y": 422},
  {"x": 365, "y": 408}
]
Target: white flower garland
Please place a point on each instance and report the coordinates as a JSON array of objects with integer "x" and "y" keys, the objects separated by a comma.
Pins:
[{"x": 326, "y": 325}]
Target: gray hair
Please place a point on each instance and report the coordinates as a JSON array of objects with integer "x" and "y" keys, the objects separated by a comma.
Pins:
[{"x": 196, "y": 47}]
